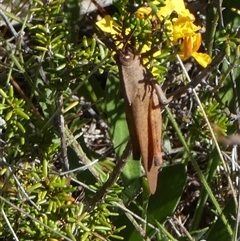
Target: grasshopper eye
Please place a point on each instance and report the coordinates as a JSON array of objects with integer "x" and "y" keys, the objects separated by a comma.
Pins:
[{"x": 126, "y": 57}]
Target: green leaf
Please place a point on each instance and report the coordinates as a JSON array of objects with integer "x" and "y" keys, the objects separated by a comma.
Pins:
[
  {"x": 131, "y": 171},
  {"x": 119, "y": 130},
  {"x": 115, "y": 114},
  {"x": 20, "y": 112},
  {"x": 171, "y": 183}
]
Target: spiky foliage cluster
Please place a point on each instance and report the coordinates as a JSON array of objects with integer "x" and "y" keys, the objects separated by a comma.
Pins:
[{"x": 37, "y": 203}]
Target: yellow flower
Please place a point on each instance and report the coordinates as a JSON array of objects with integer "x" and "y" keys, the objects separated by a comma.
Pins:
[
  {"x": 186, "y": 31},
  {"x": 108, "y": 25},
  {"x": 190, "y": 47},
  {"x": 181, "y": 28}
]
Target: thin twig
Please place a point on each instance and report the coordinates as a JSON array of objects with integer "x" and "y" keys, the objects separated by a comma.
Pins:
[
  {"x": 183, "y": 228},
  {"x": 9, "y": 225},
  {"x": 103, "y": 191},
  {"x": 80, "y": 153},
  {"x": 61, "y": 128},
  {"x": 198, "y": 79},
  {"x": 17, "y": 183},
  {"x": 16, "y": 35}
]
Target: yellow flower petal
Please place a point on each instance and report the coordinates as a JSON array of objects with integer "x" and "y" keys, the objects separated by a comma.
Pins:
[
  {"x": 108, "y": 25},
  {"x": 187, "y": 49},
  {"x": 179, "y": 5},
  {"x": 190, "y": 45},
  {"x": 142, "y": 12},
  {"x": 197, "y": 41},
  {"x": 194, "y": 43},
  {"x": 157, "y": 53},
  {"x": 184, "y": 29},
  {"x": 144, "y": 49},
  {"x": 171, "y": 5},
  {"x": 184, "y": 16},
  {"x": 155, "y": 71},
  {"x": 203, "y": 59}
]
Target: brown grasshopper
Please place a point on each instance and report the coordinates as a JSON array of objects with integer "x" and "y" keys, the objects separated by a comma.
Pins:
[
  {"x": 143, "y": 112},
  {"x": 143, "y": 99}
]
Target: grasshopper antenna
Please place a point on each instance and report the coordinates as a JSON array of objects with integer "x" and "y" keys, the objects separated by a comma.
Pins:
[
  {"x": 129, "y": 36},
  {"x": 100, "y": 8}
]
